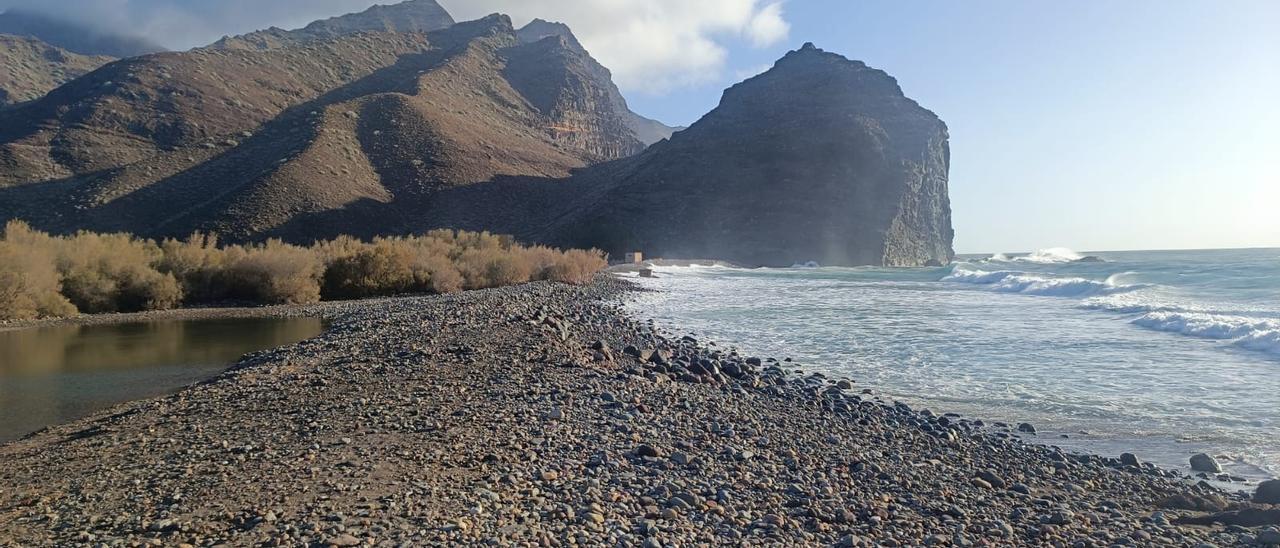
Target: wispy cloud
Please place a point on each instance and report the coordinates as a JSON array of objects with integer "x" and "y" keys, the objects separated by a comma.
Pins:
[
  {"x": 652, "y": 46},
  {"x": 182, "y": 24}
]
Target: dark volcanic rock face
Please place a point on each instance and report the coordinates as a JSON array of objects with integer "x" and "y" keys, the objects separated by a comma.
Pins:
[{"x": 820, "y": 158}]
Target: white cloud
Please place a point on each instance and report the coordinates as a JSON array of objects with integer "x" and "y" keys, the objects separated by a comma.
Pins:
[
  {"x": 652, "y": 46},
  {"x": 767, "y": 26}
]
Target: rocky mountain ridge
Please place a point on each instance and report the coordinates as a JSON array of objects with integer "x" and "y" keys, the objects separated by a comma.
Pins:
[
  {"x": 483, "y": 126},
  {"x": 419, "y": 16}
]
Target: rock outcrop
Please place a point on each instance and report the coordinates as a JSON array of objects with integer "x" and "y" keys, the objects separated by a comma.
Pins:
[
  {"x": 818, "y": 159},
  {"x": 30, "y": 68}
]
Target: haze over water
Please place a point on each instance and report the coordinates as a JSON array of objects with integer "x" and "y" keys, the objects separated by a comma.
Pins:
[{"x": 1162, "y": 353}]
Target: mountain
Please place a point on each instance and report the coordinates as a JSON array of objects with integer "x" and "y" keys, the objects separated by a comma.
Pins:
[
  {"x": 482, "y": 126},
  {"x": 410, "y": 16},
  {"x": 72, "y": 37},
  {"x": 818, "y": 159},
  {"x": 256, "y": 142},
  {"x": 29, "y": 68}
]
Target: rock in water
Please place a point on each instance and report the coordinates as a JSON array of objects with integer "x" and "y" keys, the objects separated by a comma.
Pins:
[
  {"x": 1268, "y": 492},
  {"x": 1130, "y": 459},
  {"x": 1202, "y": 462}
]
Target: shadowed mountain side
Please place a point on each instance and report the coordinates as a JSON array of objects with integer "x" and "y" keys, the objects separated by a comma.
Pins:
[
  {"x": 449, "y": 116},
  {"x": 131, "y": 110},
  {"x": 484, "y": 127},
  {"x": 820, "y": 158}
]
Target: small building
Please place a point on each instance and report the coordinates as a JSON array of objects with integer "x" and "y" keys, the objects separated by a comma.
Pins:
[
  {"x": 633, "y": 257},
  {"x": 646, "y": 272}
]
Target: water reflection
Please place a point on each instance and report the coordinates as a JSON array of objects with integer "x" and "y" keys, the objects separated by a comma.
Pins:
[{"x": 51, "y": 375}]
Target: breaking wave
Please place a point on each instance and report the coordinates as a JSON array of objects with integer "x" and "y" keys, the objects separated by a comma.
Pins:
[
  {"x": 1052, "y": 255},
  {"x": 1250, "y": 333},
  {"x": 1009, "y": 281}
]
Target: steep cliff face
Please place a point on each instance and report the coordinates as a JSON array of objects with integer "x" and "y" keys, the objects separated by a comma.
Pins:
[{"x": 820, "y": 158}]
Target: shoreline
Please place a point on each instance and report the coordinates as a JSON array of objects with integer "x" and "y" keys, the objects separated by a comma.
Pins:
[
  {"x": 192, "y": 313},
  {"x": 523, "y": 414}
]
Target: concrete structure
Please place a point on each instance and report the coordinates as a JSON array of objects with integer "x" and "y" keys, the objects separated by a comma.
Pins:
[{"x": 633, "y": 257}]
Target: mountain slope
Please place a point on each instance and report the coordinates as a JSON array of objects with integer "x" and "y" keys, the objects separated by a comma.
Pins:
[
  {"x": 409, "y": 16},
  {"x": 819, "y": 158},
  {"x": 29, "y": 68},
  {"x": 73, "y": 37},
  {"x": 646, "y": 130},
  {"x": 133, "y": 109},
  {"x": 460, "y": 106}
]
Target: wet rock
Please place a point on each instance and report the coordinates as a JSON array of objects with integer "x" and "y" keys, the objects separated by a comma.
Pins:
[
  {"x": 1202, "y": 462},
  {"x": 1268, "y": 492}
]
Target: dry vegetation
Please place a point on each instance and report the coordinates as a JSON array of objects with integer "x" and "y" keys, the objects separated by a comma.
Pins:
[{"x": 47, "y": 276}]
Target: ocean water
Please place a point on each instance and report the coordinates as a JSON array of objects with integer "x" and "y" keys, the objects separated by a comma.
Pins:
[{"x": 1161, "y": 353}]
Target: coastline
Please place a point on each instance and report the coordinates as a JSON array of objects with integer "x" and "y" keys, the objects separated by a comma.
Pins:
[{"x": 517, "y": 415}]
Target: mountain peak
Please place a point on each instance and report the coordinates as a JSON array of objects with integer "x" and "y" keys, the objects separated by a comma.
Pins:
[
  {"x": 408, "y": 16},
  {"x": 539, "y": 29}
]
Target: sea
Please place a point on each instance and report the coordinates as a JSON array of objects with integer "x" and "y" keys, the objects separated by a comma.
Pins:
[{"x": 1163, "y": 354}]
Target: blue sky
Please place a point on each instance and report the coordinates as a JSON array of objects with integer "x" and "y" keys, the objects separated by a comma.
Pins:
[
  {"x": 1089, "y": 124},
  {"x": 1095, "y": 125}
]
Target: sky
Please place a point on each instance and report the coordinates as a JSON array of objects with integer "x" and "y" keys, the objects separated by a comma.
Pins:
[{"x": 1092, "y": 124}]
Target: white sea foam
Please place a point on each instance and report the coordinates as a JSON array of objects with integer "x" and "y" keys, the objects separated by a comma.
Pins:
[
  {"x": 1051, "y": 255},
  {"x": 1009, "y": 281},
  {"x": 1247, "y": 332},
  {"x": 1263, "y": 341}
]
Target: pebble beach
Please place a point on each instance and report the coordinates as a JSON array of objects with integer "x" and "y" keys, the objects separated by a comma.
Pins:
[{"x": 543, "y": 415}]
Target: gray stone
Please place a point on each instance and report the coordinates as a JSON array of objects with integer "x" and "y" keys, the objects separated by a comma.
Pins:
[
  {"x": 1202, "y": 462},
  {"x": 1268, "y": 492}
]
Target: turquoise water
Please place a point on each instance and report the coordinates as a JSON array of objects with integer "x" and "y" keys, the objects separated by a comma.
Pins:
[{"x": 1161, "y": 353}]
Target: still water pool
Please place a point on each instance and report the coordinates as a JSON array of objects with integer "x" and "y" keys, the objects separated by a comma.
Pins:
[{"x": 51, "y": 375}]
